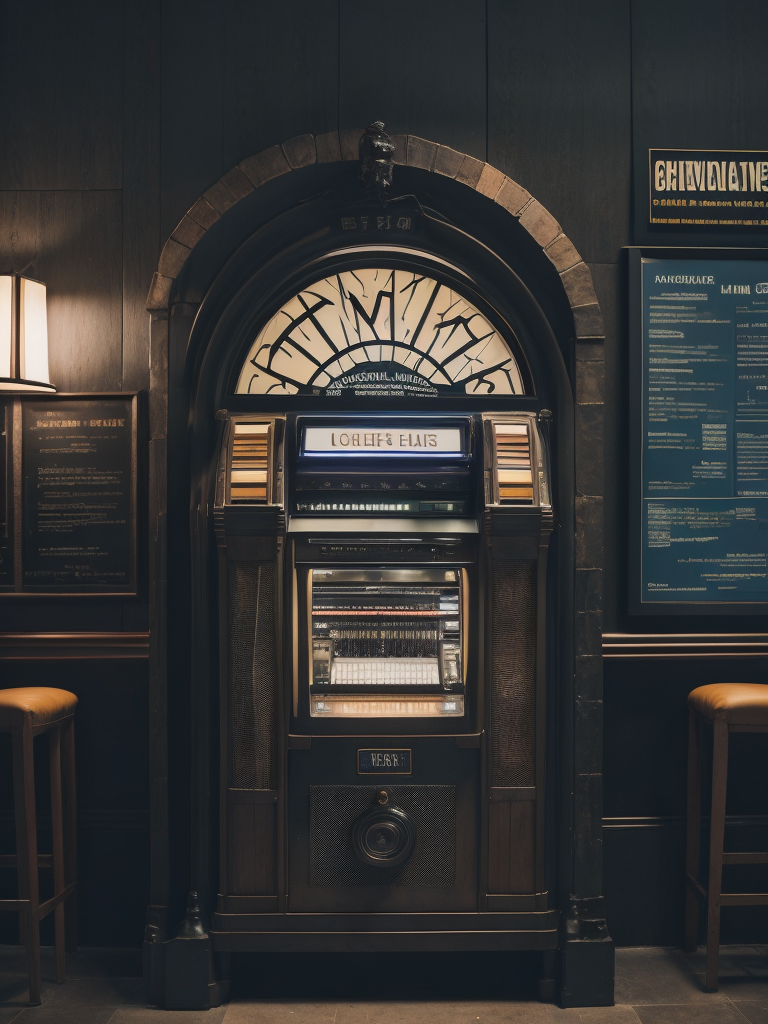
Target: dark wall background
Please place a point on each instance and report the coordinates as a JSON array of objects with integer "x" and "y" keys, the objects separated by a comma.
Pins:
[{"x": 116, "y": 117}]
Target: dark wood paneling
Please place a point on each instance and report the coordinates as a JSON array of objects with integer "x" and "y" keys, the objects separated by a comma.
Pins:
[
  {"x": 73, "y": 242},
  {"x": 646, "y": 730},
  {"x": 559, "y": 113},
  {"x": 511, "y": 846},
  {"x": 292, "y": 87},
  {"x": 252, "y": 844},
  {"x": 698, "y": 83},
  {"x": 69, "y": 646},
  {"x": 191, "y": 105},
  {"x": 644, "y": 862},
  {"x": 141, "y": 189},
  {"x": 420, "y": 67},
  {"x": 61, "y": 69}
]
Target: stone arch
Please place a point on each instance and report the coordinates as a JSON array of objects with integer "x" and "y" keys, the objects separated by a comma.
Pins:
[{"x": 410, "y": 151}]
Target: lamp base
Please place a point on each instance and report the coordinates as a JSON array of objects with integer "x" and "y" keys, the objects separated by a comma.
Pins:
[{"x": 17, "y": 384}]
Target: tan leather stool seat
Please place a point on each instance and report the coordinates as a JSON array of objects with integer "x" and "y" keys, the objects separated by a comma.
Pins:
[
  {"x": 737, "y": 703},
  {"x": 27, "y": 712},
  {"x": 45, "y": 704},
  {"x": 729, "y": 708}
]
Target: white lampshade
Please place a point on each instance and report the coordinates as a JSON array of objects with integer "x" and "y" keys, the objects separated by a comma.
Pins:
[{"x": 23, "y": 335}]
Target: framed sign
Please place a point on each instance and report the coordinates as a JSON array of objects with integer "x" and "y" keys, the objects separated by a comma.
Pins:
[
  {"x": 75, "y": 486},
  {"x": 702, "y": 197},
  {"x": 703, "y": 188},
  {"x": 699, "y": 434}
]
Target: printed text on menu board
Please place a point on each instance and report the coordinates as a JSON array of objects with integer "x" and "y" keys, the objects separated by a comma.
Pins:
[
  {"x": 78, "y": 521},
  {"x": 705, "y": 431}
]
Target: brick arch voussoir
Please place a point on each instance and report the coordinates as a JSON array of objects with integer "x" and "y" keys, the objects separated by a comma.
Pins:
[{"x": 411, "y": 151}]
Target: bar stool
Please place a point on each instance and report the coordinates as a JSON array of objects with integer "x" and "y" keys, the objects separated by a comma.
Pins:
[
  {"x": 730, "y": 707},
  {"x": 27, "y": 712}
]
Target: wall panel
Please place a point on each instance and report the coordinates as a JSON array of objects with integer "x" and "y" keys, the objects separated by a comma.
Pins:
[
  {"x": 559, "y": 114},
  {"x": 191, "y": 99},
  {"x": 61, "y": 78},
  {"x": 141, "y": 192},
  {"x": 419, "y": 67},
  {"x": 292, "y": 89},
  {"x": 699, "y": 74}
]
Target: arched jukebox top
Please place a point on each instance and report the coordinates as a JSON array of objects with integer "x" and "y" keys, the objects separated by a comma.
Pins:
[{"x": 384, "y": 332}]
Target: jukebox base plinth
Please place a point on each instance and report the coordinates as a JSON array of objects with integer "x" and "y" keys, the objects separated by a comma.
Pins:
[{"x": 315, "y": 933}]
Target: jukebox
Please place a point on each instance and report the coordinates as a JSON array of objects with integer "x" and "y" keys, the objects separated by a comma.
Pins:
[{"x": 382, "y": 516}]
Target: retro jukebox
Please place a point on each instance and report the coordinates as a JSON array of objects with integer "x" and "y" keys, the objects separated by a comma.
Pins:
[
  {"x": 383, "y": 508},
  {"x": 378, "y": 688}
]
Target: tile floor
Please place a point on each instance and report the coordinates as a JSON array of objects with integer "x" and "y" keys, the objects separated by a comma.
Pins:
[{"x": 653, "y": 986}]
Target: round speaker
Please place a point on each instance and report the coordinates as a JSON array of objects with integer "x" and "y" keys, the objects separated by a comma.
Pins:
[{"x": 384, "y": 836}]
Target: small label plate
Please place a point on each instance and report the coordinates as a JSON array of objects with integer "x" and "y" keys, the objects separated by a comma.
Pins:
[{"x": 384, "y": 762}]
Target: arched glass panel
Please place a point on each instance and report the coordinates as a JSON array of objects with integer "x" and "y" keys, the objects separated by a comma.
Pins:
[{"x": 381, "y": 332}]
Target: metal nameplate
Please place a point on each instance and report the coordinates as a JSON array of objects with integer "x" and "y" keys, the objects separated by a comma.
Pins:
[{"x": 384, "y": 762}]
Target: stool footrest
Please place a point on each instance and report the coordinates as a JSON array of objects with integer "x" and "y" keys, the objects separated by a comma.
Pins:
[
  {"x": 54, "y": 901},
  {"x": 10, "y": 860},
  {"x": 744, "y": 899},
  {"x": 746, "y": 858},
  {"x": 43, "y": 909},
  {"x": 696, "y": 885}
]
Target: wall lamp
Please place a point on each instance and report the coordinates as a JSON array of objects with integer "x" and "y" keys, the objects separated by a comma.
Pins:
[{"x": 23, "y": 335}]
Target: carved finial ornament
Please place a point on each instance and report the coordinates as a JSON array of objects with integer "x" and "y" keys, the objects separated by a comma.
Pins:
[{"x": 377, "y": 152}]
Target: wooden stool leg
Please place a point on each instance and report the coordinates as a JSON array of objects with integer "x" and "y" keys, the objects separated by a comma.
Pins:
[
  {"x": 57, "y": 828},
  {"x": 716, "y": 843},
  {"x": 26, "y": 849},
  {"x": 70, "y": 829},
  {"x": 692, "y": 835}
]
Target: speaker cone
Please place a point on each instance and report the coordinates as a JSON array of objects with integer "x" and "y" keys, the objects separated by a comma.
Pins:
[{"x": 384, "y": 836}]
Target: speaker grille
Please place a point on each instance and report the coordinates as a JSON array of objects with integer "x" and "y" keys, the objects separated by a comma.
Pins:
[
  {"x": 514, "y": 672},
  {"x": 252, "y": 676},
  {"x": 334, "y": 811}
]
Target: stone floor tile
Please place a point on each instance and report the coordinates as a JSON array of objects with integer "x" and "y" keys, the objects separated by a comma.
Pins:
[
  {"x": 9, "y": 1014},
  {"x": 284, "y": 1012},
  {"x": 734, "y": 961},
  {"x": 523, "y": 1012},
  {"x": 647, "y": 976},
  {"x": 755, "y": 1011},
  {"x": 607, "y": 1015},
  {"x": 65, "y": 1015},
  {"x": 14, "y": 989},
  {"x": 104, "y": 963},
  {"x": 719, "y": 1012},
  {"x": 150, "y": 1015},
  {"x": 97, "y": 992},
  {"x": 742, "y": 987}
]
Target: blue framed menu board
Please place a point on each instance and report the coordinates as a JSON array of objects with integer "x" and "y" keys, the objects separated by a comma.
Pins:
[{"x": 699, "y": 435}]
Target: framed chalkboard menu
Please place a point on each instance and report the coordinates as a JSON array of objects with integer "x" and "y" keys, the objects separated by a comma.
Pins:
[
  {"x": 699, "y": 434},
  {"x": 74, "y": 520}
]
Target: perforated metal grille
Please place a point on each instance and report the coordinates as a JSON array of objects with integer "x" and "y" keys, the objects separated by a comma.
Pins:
[
  {"x": 252, "y": 676},
  {"x": 514, "y": 665},
  {"x": 334, "y": 811}
]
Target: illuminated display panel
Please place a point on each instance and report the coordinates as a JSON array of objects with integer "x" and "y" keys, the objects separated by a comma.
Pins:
[
  {"x": 359, "y": 439},
  {"x": 377, "y": 331},
  {"x": 386, "y": 642}
]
